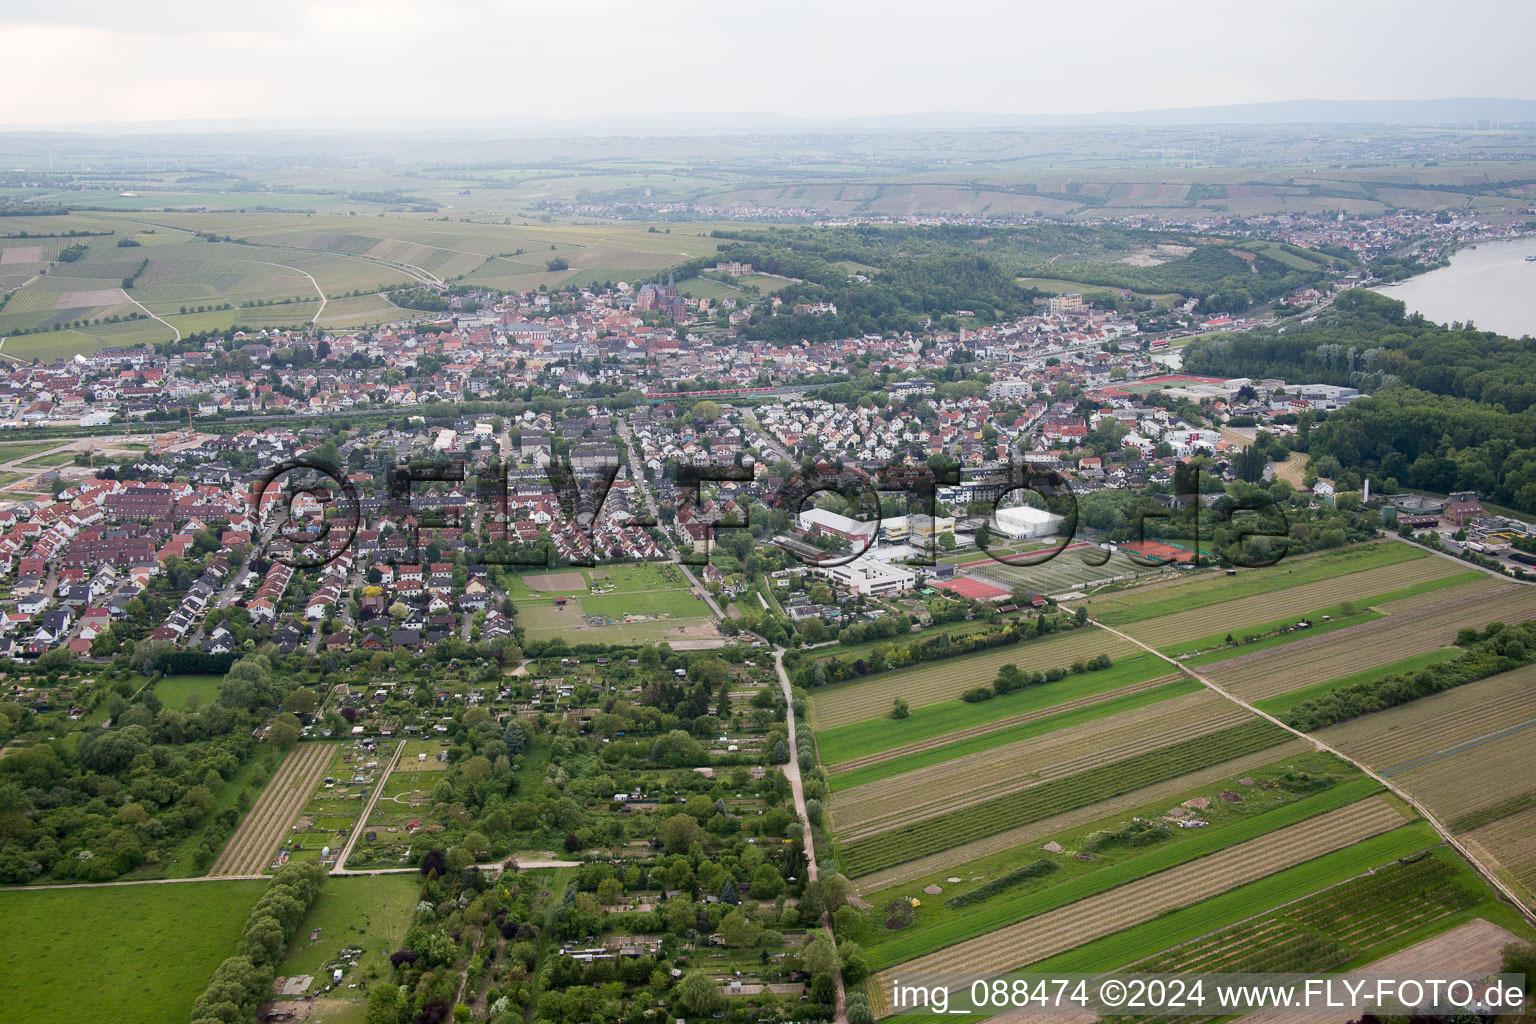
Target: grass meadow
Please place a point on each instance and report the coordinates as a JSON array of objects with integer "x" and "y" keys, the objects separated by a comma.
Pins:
[{"x": 132, "y": 954}]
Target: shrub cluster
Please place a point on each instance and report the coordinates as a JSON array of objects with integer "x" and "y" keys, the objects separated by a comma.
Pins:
[
  {"x": 1011, "y": 678},
  {"x": 1034, "y": 869},
  {"x": 243, "y": 981},
  {"x": 1498, "y": 648}
]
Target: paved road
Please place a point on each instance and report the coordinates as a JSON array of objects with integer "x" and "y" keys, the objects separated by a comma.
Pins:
[{"x": 1423, "y": 811}]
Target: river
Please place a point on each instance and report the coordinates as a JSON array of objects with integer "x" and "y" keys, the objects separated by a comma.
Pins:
[{"x": 1492, "y": 286}]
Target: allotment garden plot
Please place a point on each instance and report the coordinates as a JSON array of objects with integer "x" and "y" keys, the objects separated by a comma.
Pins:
[
  {"x": 337, "y": 803},
  {"x": 402, "y": 816}
]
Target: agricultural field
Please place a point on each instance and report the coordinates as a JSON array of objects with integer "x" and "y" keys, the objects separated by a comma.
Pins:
[
  {"x": 1400, "y": 738},
  {"x": 1287, "y": 884},
  {"x": 952, "y": 748},
  {"x": 1136, "y": 902},
  {"x": 1507, "y": 844},
  {"x": 1287, "y": 700},
  {"x": 1130, "y": 606},
  {"x": 1095, "y": 857},
  {"x": 251, "y": 849},
  {"x": 890, "y": 839},
  {"x": 930, "y": 683},
  {"x": 1417, "y": 630},
  {"x": 1202, "y": 626},
  {"x": 274, "y": 257},
  {"x": 137, "y": 974},
  {"x": 973, "y": 778},
  {"x": 1428, "y": 913},
  {"x": 942, "y": 865},
  {"x": 1457, "y": 751},
  {"x": 876, "y": 739}
]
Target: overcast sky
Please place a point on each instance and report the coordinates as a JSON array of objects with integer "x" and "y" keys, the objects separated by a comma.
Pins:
[{"x": 103, "y": 60}]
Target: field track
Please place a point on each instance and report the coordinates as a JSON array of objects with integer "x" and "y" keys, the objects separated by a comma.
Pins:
[
  {"x": 1078, "y": 923},
  {"x": 1507, "y": 843},
  {"x": 1327, "y": 656},
  {"x": 947, "y": 679},
  {"x": 250, "y": 849},
  {"x": 940, "y": 788},
  {"x": 1037, "y": 831}
]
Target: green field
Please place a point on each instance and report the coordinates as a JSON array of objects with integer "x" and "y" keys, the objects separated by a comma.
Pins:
[
  {"x": 876, "y": 734},
  {"x": 1135, "y": 606},
  {"x": 57, "y": 345},
  {"x": 1004, "y": 812},
  {"x": 370, "y": 912},
  {"x": 1281, "y": 703},
  {"x": 133, "y": 954},
  {"x": 679, "y": 604},
  {"x": 26, "y": 449},
  {"x": 177, "y": 691},
  {"x": 1013, "y": 734}
]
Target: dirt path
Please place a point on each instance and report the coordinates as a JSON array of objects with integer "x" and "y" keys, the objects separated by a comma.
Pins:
[
  {"x": 250, "y": 849},
  {"x": 797, "y": 789},
  {"x": 155, "y": 316},
  {"x": 362, "y": 819},
  {"x": 1292, "y": 470}
]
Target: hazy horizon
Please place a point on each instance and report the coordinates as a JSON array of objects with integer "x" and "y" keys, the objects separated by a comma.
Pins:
[{"x": 337, "y": 60}]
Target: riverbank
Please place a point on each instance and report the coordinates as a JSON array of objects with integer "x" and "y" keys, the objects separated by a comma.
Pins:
[{"x": 1492, "y": 285}]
